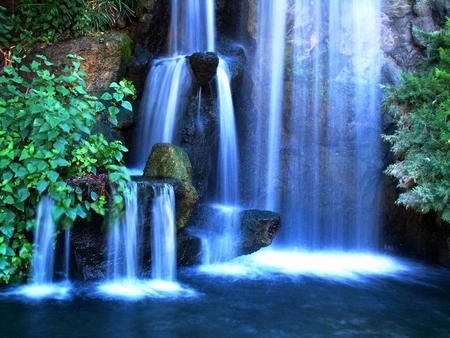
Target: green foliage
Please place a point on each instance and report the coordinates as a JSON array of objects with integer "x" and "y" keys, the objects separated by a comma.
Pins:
[
  {"x": 46, "y": 118},
  {"x": 421, "y": 109},
  {"x": 47, "y": 21}
]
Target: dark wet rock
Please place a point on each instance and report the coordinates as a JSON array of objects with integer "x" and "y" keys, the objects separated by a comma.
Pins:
[
  {"x": 89, "y": 250},
  {"x": 258, "y": 229},
  {"x": 199, "y": 138},
  {"x": 204, "y": 66},
  {"x": 440, "y": 10},
  {"x": 89, "y": 238},
  {"x": 125, "y": 119},
  {"x": 189, "y": 250},
  {"x": 105, "y": 128},
  {"x": 169, "y": 161}
]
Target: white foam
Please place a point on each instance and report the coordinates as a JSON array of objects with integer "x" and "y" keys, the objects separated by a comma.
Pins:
[
  {"x": 138, "y": 289},
  {"x": 43, "y": 291},
  {"x": 323, "y": 264}
]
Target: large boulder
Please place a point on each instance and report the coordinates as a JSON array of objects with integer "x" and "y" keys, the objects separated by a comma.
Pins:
[
  {"x": 258, "y": 229},
  {"x": 105, "y": 57},
  {"x": 169, "y": 161},
  {"x": 204, "y": 66}
]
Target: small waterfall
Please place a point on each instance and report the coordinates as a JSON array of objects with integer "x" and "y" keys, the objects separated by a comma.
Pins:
[
  {"x": 123, "y": 241},
  {"x": 165, "y": 97},
  {"x": 163, "y": 233},
  {"x": 67, "y": 237},
  {"x": 192, "y": 26},
  {"x": 220, "y": 244},
  {"x": 168, "y": 84},
  {"x": 44, "y": 244},
  {"x": 42, "y": 282}
]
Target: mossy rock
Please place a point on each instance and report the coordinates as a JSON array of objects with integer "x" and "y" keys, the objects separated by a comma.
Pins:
[{"x": 169, "y": 161}]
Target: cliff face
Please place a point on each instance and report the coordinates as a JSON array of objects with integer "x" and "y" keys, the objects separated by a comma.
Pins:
[{"x": 407, "y": 231}]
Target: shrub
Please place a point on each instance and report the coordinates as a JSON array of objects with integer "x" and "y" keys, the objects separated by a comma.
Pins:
[
  {"x": 421, "y": 110},
  {"x": 46, "y": 119}
]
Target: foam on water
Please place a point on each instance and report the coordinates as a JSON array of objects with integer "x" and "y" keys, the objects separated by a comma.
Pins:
[
  {"x": 42, "y": 291},
  {"x": 139, "y": 289},
  {"x": 322, "y": 264}
]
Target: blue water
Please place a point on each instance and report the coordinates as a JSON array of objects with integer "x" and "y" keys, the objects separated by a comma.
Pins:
[{"x": 411, "y": 301}]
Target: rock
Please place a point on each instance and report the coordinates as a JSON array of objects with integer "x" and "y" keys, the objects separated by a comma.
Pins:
[
  {"x": 258, "y": 229},
  {"x": 105, "y": 128},
  {"x": 440, "y": 10},
  {"x": 106, "y": 57},
  {"x": 169, "y": 161},
  {"x": 125, "y": 119},
  {"x": 88, "y": 250},
  {"x": 204, "y": 66},
  {"x": 89, "y": 238},
  {"x": 189, "y": 249}
]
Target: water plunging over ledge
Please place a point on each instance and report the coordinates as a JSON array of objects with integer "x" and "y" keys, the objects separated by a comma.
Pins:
[
  {"x": 42, "y": 283},
  {"x": 168, "y": 84},
  {"x": 126, "y": 267}
]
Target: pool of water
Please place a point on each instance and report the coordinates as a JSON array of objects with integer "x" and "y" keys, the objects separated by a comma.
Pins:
[{"x": 258, "y": 296}]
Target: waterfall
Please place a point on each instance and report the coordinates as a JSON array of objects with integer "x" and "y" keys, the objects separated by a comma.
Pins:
[
  {"x": 123, "y": 241},
  {"x": 220, "y": 245},
  {"x": 318, "y": 131},
  {"x": 42, "y": 282},
  {"x": 163, "y": 233},
  {"x": 44, "y": 240},
  {"x": 67, "y": 237},
  {"x": 270, "y": 75},
  {"x": 168, "y": 84},
  {"x": 165, "y": 97}
]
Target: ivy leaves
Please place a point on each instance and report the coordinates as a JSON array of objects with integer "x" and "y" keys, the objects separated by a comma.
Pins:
[{"x": 46, "y": 119}]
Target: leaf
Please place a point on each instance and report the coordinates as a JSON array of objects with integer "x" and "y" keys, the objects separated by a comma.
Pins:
[
  {"x": 52, "y": 175},
  {"x": 41, "y": 186},
  {"x": 94, "y": 196},
  {"x": 23, "y": 194},
  {"x": 7, "y": 230},
  {"x": 127, "y": 105},
  {"x": 106, "y": 97}
]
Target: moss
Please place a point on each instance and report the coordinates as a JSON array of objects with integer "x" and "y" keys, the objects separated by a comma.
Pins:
[
  {"x": 169, "y": 161},
  {"x": 127, "y": 47}
]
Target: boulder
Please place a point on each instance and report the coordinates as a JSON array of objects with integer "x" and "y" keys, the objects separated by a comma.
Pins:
[
  {"x": 105, "y": 57},
  {"x": 258, "y": 229},
  {"x": 204, "y": 66},
  {"x": 168, "y": 161}
]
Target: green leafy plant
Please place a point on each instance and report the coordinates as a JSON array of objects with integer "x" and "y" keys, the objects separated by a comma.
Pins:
[
  {"x": 46, "y": 143},
  {"x": 421, "y": 110},
  {"x": 51, "y": 20}
]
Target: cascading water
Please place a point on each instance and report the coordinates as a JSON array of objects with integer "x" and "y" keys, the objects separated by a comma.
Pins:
[
  {"x": 67, "y": 237},
  {"x": 324, "y": 150},
  {"x": 42, "y": 282},
  {"x": 44, "y": 241},
  {"x": 123, "y": 241},
  {"x": 163, "y": 233},
  {"x": 270, "y": 74},
  {"x": 220, "y": 245},
  {"x": 169, "y": 81}
]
